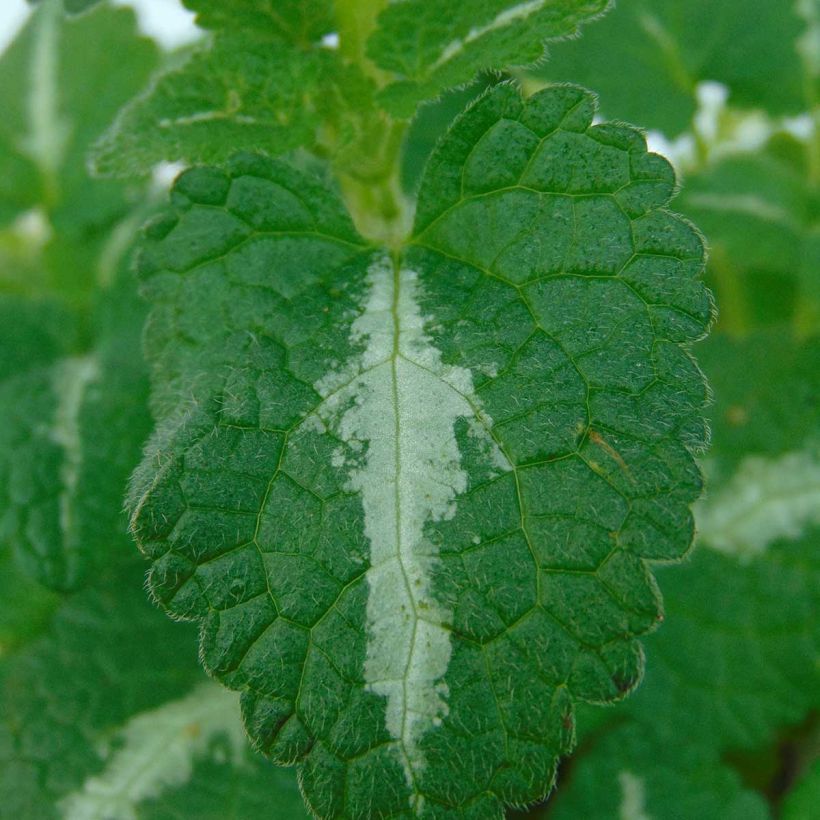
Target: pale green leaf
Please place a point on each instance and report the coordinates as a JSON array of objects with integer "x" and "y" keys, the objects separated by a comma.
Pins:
[
  {"x": 431, "y": 45},
  {"x": 482, "y": 438}
]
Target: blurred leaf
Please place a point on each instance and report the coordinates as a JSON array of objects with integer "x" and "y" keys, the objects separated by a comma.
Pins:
[
  {"x": 761, "y": 215},
  {"x": 767, "y": 395},
  {"x": 802, "y": 802},
  {"x": 301, "y": 22},
  {"x": 647, "y": 56}
]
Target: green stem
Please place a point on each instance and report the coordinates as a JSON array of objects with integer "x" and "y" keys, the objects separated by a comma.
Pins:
[
  {"x": 369, "y": 169},
  {"x": 374, "y": 195},
  {"x": 356, "y": 20}
]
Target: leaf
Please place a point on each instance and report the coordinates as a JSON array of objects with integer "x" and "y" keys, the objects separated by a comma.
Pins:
[
  {"x": 60, "y": 700},
  {"x": 766, "y": 499},
  {"x": 663, "y": 49},
  {"x": 766, "y": 388},
  {"x": 745, "y": 665},
  {"x": 740, "y": 645},
  {"x": 739, "y": 655},
  {"x": 73, "y": 430},
  {"x": 301, "y": 22},
  {"x": 484, "y": 437},
  {"x": 157, "y": 752},
  {"x": 252, "y": 789},
  {"x": 432, "y": 45},
  {"x": 58, "y": 95},
  {"x": 760, "y": 212},
  {"x": 630, "y": 774},
  {"x": 105, "y": 714},
  {"x": 238, "y": 93},
  {"x": 72, "y": 6},
  {"x": 33, "y": 333},
  {"x": 802, "y": 800}
]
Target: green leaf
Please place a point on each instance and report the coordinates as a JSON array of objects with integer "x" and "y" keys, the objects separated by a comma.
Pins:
[
  {"x": 631, "y": 774},
  {"x": 663, "y": 48},
  {"x": 468, "y": 449},
  {"x": 740, "y": 655},
  {"x": 57, "y": 96},
  {"x": 301, "y": 22},
  {"x": 161, "y": 755},
  {"x": 73, "y": 430},
  {"x": 761, "y": 213},
  {"x": 61, "y": 699},
  {"x": 747, "y": 664},
  {"x": 765, "y": 396},
  {"x": 252, "y": 790},
  {"x": 72, "y": 6},
  {"x": 802, "y": 801},
  {"x": 238, "y": 93},
  {"x": 432, "y": 45},
  {"x": 740, "y": 647},
  {"x": 106, "y": 714},
  {"x": 33, "y": 333}
]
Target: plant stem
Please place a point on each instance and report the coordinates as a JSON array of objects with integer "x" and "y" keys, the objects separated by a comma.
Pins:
[{"x": 369, "y": 170}]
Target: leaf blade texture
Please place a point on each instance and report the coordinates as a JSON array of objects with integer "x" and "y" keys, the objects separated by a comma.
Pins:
[{"x": 453, "y": 494}]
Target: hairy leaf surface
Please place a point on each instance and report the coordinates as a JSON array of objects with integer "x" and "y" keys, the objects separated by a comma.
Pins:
[
  {"x": 411, "y": 495},
  {"x": 740, "y": 644}
]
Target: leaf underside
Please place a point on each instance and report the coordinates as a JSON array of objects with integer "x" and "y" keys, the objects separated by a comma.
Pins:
[{"x": 412, "y": 496}]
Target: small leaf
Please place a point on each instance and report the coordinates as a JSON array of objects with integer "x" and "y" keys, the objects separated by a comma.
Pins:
[
  {"x": 468, "y": 449},
  {"x": 238, "y": 93},
  {"x": 432, "y": 45}
]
